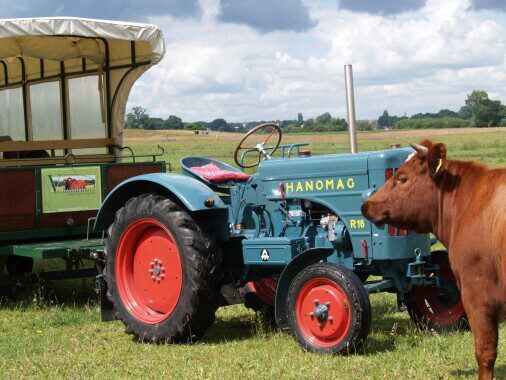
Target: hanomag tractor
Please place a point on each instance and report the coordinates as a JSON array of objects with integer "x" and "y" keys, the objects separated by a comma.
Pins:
[{"x": 290, "y": 237}]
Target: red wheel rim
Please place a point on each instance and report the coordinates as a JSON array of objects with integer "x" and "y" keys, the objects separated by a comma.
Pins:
[
  {"x": 432, "y": 309},
  {"x": 149, "y": 274},
  {"x": 329, "y": 331},
  {"x": 265, "y": 290}
]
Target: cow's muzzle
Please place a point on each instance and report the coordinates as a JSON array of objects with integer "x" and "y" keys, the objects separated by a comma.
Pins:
[{"x": 371, "y": 212}]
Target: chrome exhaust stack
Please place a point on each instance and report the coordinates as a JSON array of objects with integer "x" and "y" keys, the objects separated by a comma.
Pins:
[{"x": 350, "y": 105}]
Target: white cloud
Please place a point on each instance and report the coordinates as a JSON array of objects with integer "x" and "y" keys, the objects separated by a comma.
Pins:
[{"x": 412, "y": 62}]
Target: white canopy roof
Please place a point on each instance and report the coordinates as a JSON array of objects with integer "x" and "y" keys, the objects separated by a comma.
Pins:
[{"x": 34, "y": 50}]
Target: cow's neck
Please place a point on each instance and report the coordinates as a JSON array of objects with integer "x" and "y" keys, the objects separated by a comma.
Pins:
[{"x": 448, "y": 205}]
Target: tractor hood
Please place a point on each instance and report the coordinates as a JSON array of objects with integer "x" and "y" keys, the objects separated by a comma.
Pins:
[{"x": 331, "y": 165}]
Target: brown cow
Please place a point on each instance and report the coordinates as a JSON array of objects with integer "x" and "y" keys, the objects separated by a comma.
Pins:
[{"x": 464, "y": 205}]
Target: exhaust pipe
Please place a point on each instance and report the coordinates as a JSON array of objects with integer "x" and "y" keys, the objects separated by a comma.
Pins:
[{"x": 350, "y": 105}]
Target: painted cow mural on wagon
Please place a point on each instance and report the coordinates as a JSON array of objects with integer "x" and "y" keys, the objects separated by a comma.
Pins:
[{"x": 464, "y": 205}]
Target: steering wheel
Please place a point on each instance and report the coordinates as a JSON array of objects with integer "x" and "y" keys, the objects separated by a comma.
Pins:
[{"x": 269, "y": 128}]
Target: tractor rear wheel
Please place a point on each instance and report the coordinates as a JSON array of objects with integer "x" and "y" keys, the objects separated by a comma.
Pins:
[
  {"x": 441, "y": 311},
  {"x": 261, "y": 296},
  {"x": 161, "y": 271},
  {"x": 328, "y": 309}
]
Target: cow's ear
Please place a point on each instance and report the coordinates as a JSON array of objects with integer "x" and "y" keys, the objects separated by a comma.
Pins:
[{"x": 436, "y": 159}]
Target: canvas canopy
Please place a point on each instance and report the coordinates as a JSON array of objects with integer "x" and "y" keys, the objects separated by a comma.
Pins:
[{"x": 56, "y": 50}]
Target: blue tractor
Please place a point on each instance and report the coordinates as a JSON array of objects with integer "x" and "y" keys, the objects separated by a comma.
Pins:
[{"x": 289, "y": 240}]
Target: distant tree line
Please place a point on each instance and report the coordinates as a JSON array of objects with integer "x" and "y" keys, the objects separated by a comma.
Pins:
[
  {"x": 139, "y": 119},
  {"x": 479, "y": 111}
]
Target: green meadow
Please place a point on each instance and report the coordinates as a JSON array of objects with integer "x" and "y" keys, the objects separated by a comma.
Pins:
[{"x": 53, "y": 329}]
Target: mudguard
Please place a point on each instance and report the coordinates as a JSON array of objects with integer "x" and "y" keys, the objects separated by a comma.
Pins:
[
  {"x": 190, "y": 192},
  {"x": 306, "y": 258}
]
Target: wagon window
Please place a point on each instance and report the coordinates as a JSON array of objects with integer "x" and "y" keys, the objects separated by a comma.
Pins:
[
  {"x": 86, "y": 113},
  {"x": 46, "y": 111},
  {"x": 86, "y": 116},
  {"x": 12, "y": 120}
]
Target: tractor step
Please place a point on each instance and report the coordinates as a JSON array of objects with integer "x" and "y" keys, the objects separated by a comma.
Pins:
[{"x": 56, "y": 249}]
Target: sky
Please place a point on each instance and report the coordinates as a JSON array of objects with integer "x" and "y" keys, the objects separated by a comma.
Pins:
[{"x": 246, "y": 60}]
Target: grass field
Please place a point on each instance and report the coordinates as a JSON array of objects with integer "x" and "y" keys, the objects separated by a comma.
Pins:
[{"x": 54, "y": 330}]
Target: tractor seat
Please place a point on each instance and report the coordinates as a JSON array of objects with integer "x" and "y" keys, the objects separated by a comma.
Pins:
[{"x": 212, "y": 171}]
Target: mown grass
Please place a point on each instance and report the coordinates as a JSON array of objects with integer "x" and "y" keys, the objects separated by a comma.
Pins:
[{"x": 53, "y": 330}]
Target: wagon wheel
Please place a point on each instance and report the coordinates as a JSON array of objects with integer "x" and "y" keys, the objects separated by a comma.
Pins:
[
  {"x": 162, "y": 268},
  {"x": 328, "y": 309},
  {"x": 19, "y": 265},
  {"x": 270, "y": 129},
  {"x": 441, "y": 311}
]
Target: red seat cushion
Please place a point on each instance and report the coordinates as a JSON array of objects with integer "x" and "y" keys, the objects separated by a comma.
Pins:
[{"x": 214, "y": 173}]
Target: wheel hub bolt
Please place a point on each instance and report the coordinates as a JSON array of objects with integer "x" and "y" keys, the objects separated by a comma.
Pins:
[
  {"x": 156, "y": 261},
  {"x": 153, "y": 278},
  {"x": 151, "y": 264},
  {"x": 327, "y": 304},
  {"x": 320, "y": 325},
  {"x": 315, "y": 302},
  {"x": 160, "y": 262},
  {"x": 163, "y": 269},
  {"x": 158, "y": 280},
  {"x": 321, "y": 313},
  {"x": 330, "y": 319},
  {"x": 162, "y": 276},
  {"x": 150, "y": 271}
]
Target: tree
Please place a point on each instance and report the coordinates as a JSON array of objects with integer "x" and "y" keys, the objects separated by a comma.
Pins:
[
  {"x": 475, "y": 99},
  {"x": 338, "y": 124},
  {"x": 385, "y": 120},
  {"x": 488, "y": 114},
  {"x": 309, "y": 123},
  {"x": 483, "y": 111},
  {"x": 502, "y": 114},
  {"x": 137, "y": 119},
  {"x": 156, "y": 123},
  {"x": 174, "y": 122},
  {"x": 216, "y": 124},
  {"x": 447, "y": 113},
  {"x": 324, "y": 119},
  {"x": 364, "y": 125}
]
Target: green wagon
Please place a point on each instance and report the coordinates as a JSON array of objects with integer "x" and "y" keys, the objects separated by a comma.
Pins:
[{"x": 64, "y": 85}]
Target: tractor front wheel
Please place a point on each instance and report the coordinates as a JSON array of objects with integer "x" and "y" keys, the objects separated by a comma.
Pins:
[
  {"x": 328, "y": 309},
  {"x": 440, "y": 309},
  {"x": 161, "y": 265}
]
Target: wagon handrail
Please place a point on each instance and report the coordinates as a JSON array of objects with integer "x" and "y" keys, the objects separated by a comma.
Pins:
[
  {"x": 76, "y": 159},
  {"x": 22, "y": 146}
]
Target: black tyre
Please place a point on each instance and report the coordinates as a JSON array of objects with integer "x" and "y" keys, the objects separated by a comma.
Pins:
[
  {"x": 328, "y": 309},
  {"x": 161, "y": 269},
  {"x": 19, "y": 265},
  {"x": 441, "y": 309}
]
